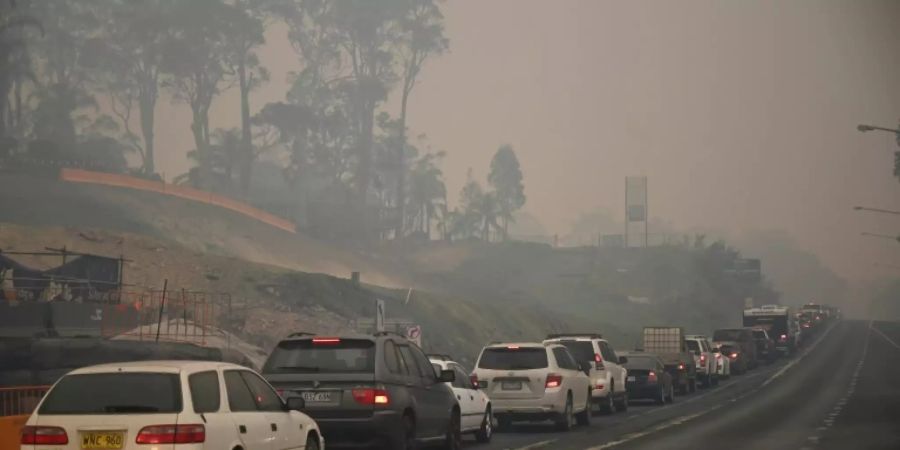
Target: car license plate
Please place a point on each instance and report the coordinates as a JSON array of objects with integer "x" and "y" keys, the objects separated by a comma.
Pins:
[
  {"x": 102, "y": 440},
  {"x": 511, "y": 385},
  {"x": 319, "y": 397},
  {"x": 630, "y": 378}
]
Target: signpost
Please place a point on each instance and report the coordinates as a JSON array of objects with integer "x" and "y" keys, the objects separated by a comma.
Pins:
[
  {"x": 414, "y": 333},
  {"x": 379, "y": 315}
]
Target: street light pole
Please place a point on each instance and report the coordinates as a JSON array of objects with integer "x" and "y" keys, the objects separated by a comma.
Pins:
[
  {"x": 878, "y": 210},
  {"x": 863, "y": 128}
]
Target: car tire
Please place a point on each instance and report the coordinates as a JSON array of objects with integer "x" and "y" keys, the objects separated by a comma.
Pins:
[
  {"x": 584, "y": 417},
  {"x": 566, "y": 418},
  {"x": 692, "y": 385},
  {"x": 671, "y": 394},
  {"x": 407, "y": 438},
  {"x": 661, "y": 399},
  {"x": 622, "y": 402},
  {"x": 453, "y": 439},
  {"x": 486, "y": 431},
  {"x": 312, "y": 443}
]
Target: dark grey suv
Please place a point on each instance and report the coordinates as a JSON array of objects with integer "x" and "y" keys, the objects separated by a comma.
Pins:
[{"x": 367, "y": 391}]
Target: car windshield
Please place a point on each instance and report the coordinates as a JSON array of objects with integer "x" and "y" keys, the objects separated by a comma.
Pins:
[
  {"x": 581, "y": 350},
  {"x": 114, "y": 393},
  {"x": 502, "y": 358},
  {"x": 727, "y": 335},
  {"x": 322, "y": 356}
]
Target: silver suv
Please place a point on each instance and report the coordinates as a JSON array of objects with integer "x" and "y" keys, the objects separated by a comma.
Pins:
[
  {"x": 534, "y": 382},
  {"x": 607, "y": 370}
]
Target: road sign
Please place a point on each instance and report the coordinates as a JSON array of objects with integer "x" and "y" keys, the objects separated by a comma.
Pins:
[
  {"x": 414, "y": 333},
  {"x": 379, "y": 315}
]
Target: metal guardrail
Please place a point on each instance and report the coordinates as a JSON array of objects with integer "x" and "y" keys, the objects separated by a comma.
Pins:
[{"x": 20, "y": 400}]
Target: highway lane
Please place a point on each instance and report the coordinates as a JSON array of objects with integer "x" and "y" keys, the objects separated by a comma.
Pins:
[{"x": 789, "y": 404}]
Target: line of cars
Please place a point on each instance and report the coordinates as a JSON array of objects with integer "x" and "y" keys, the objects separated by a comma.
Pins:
[{"x": 381, "y": 390}]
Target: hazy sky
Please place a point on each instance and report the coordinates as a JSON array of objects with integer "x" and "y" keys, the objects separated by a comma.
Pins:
[{"x": 742, "y": 114}]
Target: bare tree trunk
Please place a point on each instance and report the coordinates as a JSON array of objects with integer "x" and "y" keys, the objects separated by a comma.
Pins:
[
  {"x": 401, "y": 167},
  {"x": 147, "y": 105},
  {"x": 246, "y": 160}
]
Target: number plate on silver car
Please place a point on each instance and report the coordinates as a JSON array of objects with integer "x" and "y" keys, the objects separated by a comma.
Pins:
[{"x": 511, "y": 385}]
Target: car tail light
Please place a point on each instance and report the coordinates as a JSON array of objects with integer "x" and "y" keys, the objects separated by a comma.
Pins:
[
  {"x": 598, "y": 361},
  {"x": 326, "y": 341},
  {"x": 553, "y": 381},
  {"x": 512, "y": 347},
  {"x": 733, "y": 355},
  {"x": 371, "y": 396},
  {"x": 473, "y": 379},
  {"x": 599, "y": 386},
  {"x": 703, "y": 358},
  {"x": 172, "y": 434},
  {"x": 44, "y": 436},
  {"x": 783, "y": 337},
  {"x": 681, "y": 367},
  {"x": 651, "y": 377}
]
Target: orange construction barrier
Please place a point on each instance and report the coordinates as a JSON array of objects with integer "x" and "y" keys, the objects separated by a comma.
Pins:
[
  {"x": 16, "y": 404},
  {"x": 184, "y": 192}
]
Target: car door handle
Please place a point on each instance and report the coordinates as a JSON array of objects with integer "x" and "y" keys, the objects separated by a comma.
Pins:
[
  {"x": 242, "y": 429},
  {"x": 274, "y": 427}
]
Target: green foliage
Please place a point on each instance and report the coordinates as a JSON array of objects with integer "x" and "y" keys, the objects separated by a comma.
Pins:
[{"x": 505, "y": 178}]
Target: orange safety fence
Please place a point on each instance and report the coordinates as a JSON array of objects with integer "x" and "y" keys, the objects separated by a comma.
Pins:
[
  {"x": 184, "y": 192},
  {"x": 10, "y": 430}
]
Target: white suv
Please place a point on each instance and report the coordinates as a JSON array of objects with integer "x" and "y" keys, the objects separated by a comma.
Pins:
[
  {"x": 474, "y": 405},
  {"x": 534, "y": 382},
  {"x": 607, "y": 371},
  {"x": 704, "y": 358},
  {"x": 155, "y": 404}
]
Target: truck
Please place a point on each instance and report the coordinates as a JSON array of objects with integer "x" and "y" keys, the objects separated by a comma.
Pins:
[
  {"x": 776, "y": 320},
  {"x": 668, "y": 343}
]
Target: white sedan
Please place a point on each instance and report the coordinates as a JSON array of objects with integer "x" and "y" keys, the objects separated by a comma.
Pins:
[
  {"x": 157, "y": 404},
  {"x": 474, "y": 405}
]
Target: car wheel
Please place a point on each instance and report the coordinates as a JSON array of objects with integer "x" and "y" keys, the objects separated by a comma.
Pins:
[
  {"x": 408, "y": 438},
  {"x": 453, "y": 440},
  {"x": 661, "y": 398},
  {"x": 312, "y": 443},
  {"x": 486, "y": 431},
  {"x": 566, "y": 419},
  {"x": 584, "y": 417},
  {"x": 622, "y": 403}
]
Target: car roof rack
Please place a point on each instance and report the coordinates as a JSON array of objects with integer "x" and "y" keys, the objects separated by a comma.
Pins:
[
  {"x": 440, "y": 356},
  {"x": 581, "y": 335}
]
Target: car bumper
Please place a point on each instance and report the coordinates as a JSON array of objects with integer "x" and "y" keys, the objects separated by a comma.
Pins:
[
  {"x": 540, "y": 408},
  {"x": 374, "y": 431},
  {"x": 643, "y": 391}
]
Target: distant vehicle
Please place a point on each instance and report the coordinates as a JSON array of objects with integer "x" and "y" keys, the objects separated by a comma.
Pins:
[
  {"x": 765, "y": 347},
  {"x": 807, "y": 323},
  {"x": 606, "y": 370},
  {"x": 368, "y": 390},
  {"x": 534, "y": 382},
  {"x": 742, "y": 346},
  {"x": 669, "y": 345},
  {"x": 704, "y": 359},
  {"x": 177, "y": 404},
  {"x": 649, "y": 379},
  {"x": 816, "y": 312},
  {"x": 475, "y": 406},
  {"x": 776, "y": 320}
]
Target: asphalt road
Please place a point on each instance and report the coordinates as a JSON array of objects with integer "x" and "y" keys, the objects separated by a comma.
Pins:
[{"x": 841, "y": 392}]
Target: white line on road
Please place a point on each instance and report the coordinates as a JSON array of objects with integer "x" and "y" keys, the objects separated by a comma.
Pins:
[
  {"x": 797, "y": 359},
  {"x": 875, "y": 329},
  {"x": 536, "y": 445}
]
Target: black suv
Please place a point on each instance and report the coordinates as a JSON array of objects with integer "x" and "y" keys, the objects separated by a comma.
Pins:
[{"x": 367, "y": 390}]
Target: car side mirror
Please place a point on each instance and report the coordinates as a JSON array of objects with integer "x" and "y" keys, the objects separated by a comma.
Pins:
[
  {"x": 295, "y": 403},
  {"x": 447, "y": 376},
  {"x": 623, "y": 360}
]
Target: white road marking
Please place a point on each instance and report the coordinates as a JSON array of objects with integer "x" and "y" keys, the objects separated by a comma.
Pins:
[
  {"x": 797, "y": 359},
  {"x": 671, "y": 423},
  {"x": 536, "y": 445},
  {"x": 875, "y": 329}
]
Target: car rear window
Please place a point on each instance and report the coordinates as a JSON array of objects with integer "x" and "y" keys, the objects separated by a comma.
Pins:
[
  {"x": 727, "y": 335},
  {"x": 322, "y": 356},
  {"x": 513, "y": 358},
  {"x": 693, "y": 346},
  {"x": 114, "y": 393},
  {"x": 640, "y": 362},
  {"x": 581, "y": 350},
  {"x": 759, "y": 334}
]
